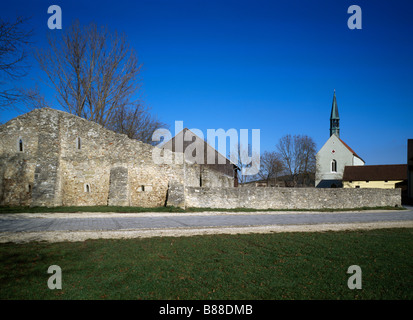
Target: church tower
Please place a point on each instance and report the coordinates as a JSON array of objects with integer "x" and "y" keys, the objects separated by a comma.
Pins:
[
  {"x": 334, "y": 156},
  {"x": 334, "y": 118}
]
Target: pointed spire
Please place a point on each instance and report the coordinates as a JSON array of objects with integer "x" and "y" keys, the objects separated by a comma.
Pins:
[
  {"x": 334, "y": 118},
  {"x": 334, "y": 108}
]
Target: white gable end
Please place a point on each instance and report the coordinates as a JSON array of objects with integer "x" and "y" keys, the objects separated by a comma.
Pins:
[{"x": 331, "y": 160}]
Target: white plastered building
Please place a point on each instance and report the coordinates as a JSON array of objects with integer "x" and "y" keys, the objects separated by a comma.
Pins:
[{"x": 334, "y": 155}]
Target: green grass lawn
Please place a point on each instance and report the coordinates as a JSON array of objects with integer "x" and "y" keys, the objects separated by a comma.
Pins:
[{"x": 248, "y": 266}]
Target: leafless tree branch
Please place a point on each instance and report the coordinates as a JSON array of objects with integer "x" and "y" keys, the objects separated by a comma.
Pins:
[
  {"x": 14, "y": 42},
  {"x": 298, "y": 155},
  {"x": 96, "y": 75}
]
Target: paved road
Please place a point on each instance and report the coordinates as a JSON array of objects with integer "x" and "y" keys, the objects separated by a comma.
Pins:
[{"x": 119, "y": 222}]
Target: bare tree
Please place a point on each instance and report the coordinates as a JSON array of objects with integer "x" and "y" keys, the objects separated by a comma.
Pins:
[
  {"x": 32, "y": 99},
  {"x": 247, "y": 161},
  {"x": 136, "y": 122},
  {"x": 271, "y": 166},
  {"x": 96, "y": 75},
  {"x": 307, "y": 153},
  {"x": 14, "y": 44},
  {"x": 298, "y": 155}
]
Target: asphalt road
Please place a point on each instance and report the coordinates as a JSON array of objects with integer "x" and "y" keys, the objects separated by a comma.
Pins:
[{"x": 118, "y": 222}]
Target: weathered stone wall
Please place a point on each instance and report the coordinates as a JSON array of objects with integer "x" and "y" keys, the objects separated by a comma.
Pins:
[
  {"x": 17, "y": 167},
  {"x": 111, "y": 169},
  {"x": 46, "y": 184},
  {"x": 290, "y": 198},
  {"x": 69, "y": 161},
  {"x": 176, "y": 195},
  {"x": 213, "y": 178}
]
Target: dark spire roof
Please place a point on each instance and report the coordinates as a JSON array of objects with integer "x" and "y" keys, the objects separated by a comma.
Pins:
[
  {"x": 334, "y": 108},
  {"x": 334, "y": 118}
]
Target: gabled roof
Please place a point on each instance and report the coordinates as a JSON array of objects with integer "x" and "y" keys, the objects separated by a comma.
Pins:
[
  {"x": 351, "y": 150},
  {"x": 170, "y": 144},
  {"x": 344, "y": 144},
  {"x": 375, "y": 172}
]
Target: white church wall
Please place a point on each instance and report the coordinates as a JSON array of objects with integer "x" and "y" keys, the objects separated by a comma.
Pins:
[
  {"x": 357, "y": 161},
  {"x": 333, "y": 149}
]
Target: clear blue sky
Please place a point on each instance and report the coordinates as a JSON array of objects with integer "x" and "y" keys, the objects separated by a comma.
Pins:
[{"x": 268, "y": 65}]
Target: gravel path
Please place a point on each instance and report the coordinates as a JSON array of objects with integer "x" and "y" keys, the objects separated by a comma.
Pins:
[{"x": 54, "y": 227}]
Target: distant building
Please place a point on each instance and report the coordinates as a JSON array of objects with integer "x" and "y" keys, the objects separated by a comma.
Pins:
[
  {"x": 376, "y": 176},
  {"x": 220, "y": 173},
  {"x": 335, "y": 155}
]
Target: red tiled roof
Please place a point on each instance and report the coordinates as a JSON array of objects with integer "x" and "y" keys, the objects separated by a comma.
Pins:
[
  {"x": 351, "y": 150},
  {"x": 375, "y": 172}
]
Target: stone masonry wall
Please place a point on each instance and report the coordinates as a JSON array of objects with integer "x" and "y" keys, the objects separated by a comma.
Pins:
[
  {"x": 213, "y": 178},
  {"x": 69, "y": 161},
  {"x": 46, "y": 184},
  {"x": 289, "y": 198},
  {"x": 111, "y": 169},
  {"x": 17, "y": 167}
]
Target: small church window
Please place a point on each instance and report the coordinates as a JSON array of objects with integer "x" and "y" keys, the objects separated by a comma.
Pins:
[
  {"x": 87, "y": 187},
  {"x": 333, "y": 166}
]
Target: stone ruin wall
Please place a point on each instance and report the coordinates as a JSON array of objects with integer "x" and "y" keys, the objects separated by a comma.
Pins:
[
  {"x": 17, "y": 168},
  {"x": 108, "y": 169}
]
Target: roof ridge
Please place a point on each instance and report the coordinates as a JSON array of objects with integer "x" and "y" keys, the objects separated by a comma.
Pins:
[{"x": 351, "y": 150}]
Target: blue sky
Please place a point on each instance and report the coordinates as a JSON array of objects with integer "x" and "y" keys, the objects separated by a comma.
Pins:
[{"x": 268, "y": 65}]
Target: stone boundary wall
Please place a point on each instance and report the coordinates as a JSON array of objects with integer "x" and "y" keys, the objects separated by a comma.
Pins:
[{"x": 283, "y": 198}]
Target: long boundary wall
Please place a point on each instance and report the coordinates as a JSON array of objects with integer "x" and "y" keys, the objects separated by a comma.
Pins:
[{"x": 282, "y": 198}]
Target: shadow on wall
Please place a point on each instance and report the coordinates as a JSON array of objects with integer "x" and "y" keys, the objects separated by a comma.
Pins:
[{"x": 330, "y": 184}]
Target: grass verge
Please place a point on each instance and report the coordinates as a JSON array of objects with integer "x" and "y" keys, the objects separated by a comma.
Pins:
[{"x": 249, "y": 266}]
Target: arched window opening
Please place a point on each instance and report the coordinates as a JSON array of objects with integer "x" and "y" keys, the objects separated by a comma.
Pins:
[
  {"x": 87, "y": 187},
  {"x": 78, "y": 143},
  {"x": 20, "y": 145},
  {"x": 333, "y": 166}
]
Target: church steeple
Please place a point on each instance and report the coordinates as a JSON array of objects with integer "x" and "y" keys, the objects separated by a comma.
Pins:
[{"x": 334, "y": 118}]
